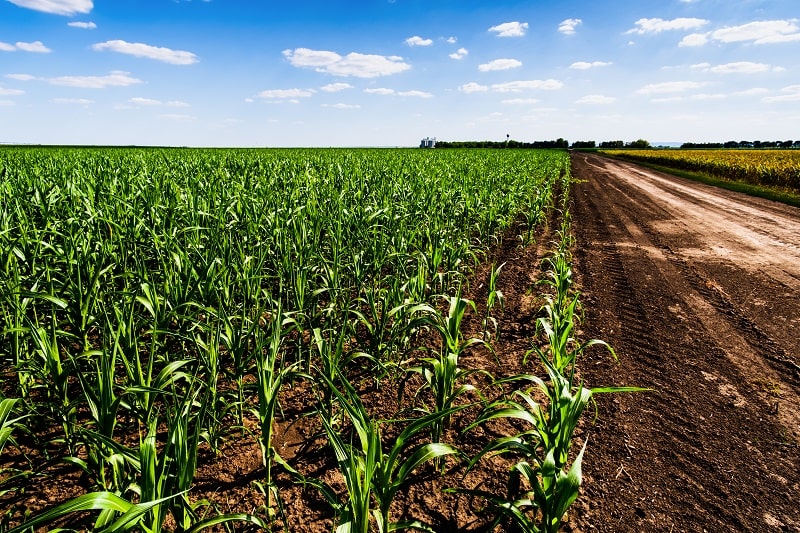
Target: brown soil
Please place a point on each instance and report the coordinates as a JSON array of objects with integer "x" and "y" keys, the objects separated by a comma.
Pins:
[{"x": 698, "y": 291}]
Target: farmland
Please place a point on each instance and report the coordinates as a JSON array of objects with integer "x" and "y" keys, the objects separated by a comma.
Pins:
[
  {"x": 168, "y": 314},
  {"x": 772, "y": 168},
  {"x": 375, "y": 339}
]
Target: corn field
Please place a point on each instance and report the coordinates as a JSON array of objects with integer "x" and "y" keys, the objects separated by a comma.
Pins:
[
  {"x": 775, "y": 168},
  {"x": 155, "y": 305}
]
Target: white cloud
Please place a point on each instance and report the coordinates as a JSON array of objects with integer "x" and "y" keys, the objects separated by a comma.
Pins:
[
  {"x": 82, "y": 25},
  {"x": 335, "y": 87},
  {"x": 657, "y": 25},
  {"x": 791, "y": 94},
  {"x": 500, "y": 64},
  {"x": 56, "y": 7},
  {"x": 144, "y": 101},
  {"x": 11, "y": 92},
  {"x": 452, "y": 40},
  {"x": 167, "y": 55},
  {"x": 759, "y": 32},
  {"x": 585, "y": 65},
  {"x": 7, "y": 103},
  {"x": 510, "y": 29},
  {"x": 512, "y": 86},
  {"x": 116, "y": 78},
  {"x": 416, "y": 94},
  {"x": 740, "y": 67},
  {"x": 418, "y": 41},
  {"x": 342, "y": 106},
  {"x": 694, "y": 39},
  {"x": 383, "y": 91},
  {"x": 596, "y": 99},
  {"x": 567, "y": 27},
  {"x": 461, "y": 53},
  {"x": 75, "y": 101},
  {"x": 670, "y": 87},
  {"x": 473, "y": 87},
  {"x": 35, "y": 47},
  {"x": 353, "y": 64},
  {"x": 518, "y": 86},
  {"x": 139, "y": 101},
  {"x": 21, "y": 77},
  {"x": 278, "y": 94}
]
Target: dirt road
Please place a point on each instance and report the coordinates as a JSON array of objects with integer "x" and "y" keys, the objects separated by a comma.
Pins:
[{"x": 698, "y": 290}]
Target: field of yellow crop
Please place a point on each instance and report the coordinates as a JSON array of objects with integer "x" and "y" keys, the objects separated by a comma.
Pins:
[{"x": 775, "y": 168}]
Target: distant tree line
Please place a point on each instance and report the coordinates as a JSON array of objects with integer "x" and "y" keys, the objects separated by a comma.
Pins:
[
  {"x": 745, "y": 144},
  {"x": 558, "y": 143}
]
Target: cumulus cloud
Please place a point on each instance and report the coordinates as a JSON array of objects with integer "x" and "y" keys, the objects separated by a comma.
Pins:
[
  {"x": 167, "y": 55},
  {"x": 418, "y": 41},
  {"x": 36, "y": 47},
  {"x": 585, "y": 65},
  {"x": 790, "y": 94},
  {"x": 82, "y": 25},
  {"x": 596, "y": 99},
  {"x": 759, "y": 32},
  {"x": 670, "y": 87},
  {"x": 391, "y": 92},
  {"x": 741, "y": 67},
  {"x": 510, "y": 29},
  {"x": 658, "y": 25},
  {"x": 452, "y": 40},
  {"x": 500, "y": 64},
  {"x": 21, "y": 77},
  {"x": 512, "y": 86},
  {"x": 280, "y": 94},
  {"x": 11, "y": 92},
  {"x": 335, "y": 87},
  {"x": 139, "y": 101},
  {"x": 117, "y": 78},
  {"x": 353, "y": 64},
  {"x": 567, "y": 27},
  {"x": 519, "y": 86},
  {"x": 56, "y": 7},
  {"x": 473, "y": 87},
  {"x": 461, "y": 53}
]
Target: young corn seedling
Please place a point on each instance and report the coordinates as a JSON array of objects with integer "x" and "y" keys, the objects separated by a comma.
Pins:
[
  {"x": 271, "y": 373},
  {"x": 442, "y": 374},
  {"x": 495, "y": 297},
  {"x": 373, "y": 474}
]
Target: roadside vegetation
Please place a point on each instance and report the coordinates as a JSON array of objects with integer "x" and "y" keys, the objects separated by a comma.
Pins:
[{"x": 773, "y": 174}]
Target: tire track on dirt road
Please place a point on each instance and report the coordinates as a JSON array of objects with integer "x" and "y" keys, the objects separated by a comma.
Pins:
[{"x": 700, "y": 300}]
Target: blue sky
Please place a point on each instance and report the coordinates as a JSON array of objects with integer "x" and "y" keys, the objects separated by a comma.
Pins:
[{"x": 389, "y": 72}]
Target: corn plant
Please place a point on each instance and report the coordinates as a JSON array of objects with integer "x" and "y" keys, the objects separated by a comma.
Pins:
[
  {"x": 442, "y": 374},
  {"x": 373, "y": 474},
  {"x": 271, "y": 374},
  {"x": 494, "y": 297}
]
